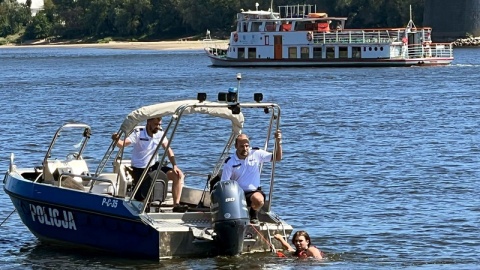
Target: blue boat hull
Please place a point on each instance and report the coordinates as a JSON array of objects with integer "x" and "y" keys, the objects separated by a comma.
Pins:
[{"x": 82, "y": 219}]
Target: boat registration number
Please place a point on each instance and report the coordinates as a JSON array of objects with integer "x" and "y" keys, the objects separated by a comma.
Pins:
[{"x": 109, "y": 202}]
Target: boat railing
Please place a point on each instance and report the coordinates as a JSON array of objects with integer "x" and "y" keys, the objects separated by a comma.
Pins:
[
  {"x": 92, "y": 179},
  {"x": 430, "y": 50},
  {"x": 358, "y": 36},
  {"x": 215, "y": 47}
]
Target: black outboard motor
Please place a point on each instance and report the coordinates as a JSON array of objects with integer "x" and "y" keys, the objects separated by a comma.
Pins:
[{"x": 229, "y": 216}]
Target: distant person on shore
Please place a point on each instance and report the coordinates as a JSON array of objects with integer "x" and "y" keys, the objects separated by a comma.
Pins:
[
  {"x": 145, "y": 142},
  {"x": 303, "y": 245}
]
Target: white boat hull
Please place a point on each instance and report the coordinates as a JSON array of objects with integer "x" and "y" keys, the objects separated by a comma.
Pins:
[{"x": 226, "y": 62}]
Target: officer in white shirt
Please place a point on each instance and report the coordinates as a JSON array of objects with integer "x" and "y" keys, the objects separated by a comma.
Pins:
[
  {"x": 244, "y": 167},
  {"x": 145, "y": 141}
]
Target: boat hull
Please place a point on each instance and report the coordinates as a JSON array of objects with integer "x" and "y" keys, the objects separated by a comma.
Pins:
[
  {"x": 228, "y": 62},
  {"x": 109, "y": 225},
  {"x": 54, "y": 214}
]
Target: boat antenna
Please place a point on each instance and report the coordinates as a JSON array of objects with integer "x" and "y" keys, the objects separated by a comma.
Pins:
[
  {"x": 410, "y": 24},
  {"x": 239, "y": 77},
  {"x": 271, "y": 10}
]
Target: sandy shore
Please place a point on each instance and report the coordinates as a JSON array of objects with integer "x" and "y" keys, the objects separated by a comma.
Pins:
[{"x": 160, "y": 45}]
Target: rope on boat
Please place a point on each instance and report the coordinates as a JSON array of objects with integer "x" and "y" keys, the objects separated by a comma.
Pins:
[
  {"x": 264, "y": 239},
  {"x": 8, "y": 217}
]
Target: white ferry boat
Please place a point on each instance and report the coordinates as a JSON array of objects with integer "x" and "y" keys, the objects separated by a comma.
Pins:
[{"x": 300, "y": 36}]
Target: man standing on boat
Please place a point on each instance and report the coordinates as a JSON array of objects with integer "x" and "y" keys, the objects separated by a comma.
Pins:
[
  {"x": 244, "y": 167},
  {"x": 145, "y": 141}
]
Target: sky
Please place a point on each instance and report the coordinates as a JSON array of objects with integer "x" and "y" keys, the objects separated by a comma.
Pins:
[{"x": 35, "y": 3}]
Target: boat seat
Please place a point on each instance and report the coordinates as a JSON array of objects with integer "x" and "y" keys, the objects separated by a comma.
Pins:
[
  {"x": 78, "y": 167},
  {"x": 53, "y": 169},
  {"x": 125, "y": 177},
  {"x": 109, "y": 187},
  {"x": 161, "y": 188}
]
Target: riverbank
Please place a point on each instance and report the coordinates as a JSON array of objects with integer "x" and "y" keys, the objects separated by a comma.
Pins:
[{"x": 159, "y": 45}]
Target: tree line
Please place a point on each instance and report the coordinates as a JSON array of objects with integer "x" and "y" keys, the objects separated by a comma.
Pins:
[{"x": 146, "y": 20}]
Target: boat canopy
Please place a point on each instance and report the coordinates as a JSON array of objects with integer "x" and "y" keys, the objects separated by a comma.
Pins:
[{"x": 215, "y": 109}]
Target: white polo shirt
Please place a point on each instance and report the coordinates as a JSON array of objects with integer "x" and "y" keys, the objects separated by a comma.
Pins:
[
  {"x": 144, "y": 147},
  {"x": 246, "y": 171}
]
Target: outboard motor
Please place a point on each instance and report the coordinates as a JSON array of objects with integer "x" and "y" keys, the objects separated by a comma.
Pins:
[{"x": 229, "y": 216}]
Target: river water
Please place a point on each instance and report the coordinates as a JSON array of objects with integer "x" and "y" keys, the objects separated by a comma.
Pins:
[{"x": 381, "y": 165}]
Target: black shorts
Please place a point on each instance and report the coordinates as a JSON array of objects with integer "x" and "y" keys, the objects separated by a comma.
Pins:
[
  {"x": 137, "y": 172},
  {"x": 145, "y": 186},
  {"x": 248, "y": 195}
]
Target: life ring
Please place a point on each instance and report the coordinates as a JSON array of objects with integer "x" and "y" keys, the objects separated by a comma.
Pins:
[
  {"x": 405, "y": 40},
  {"x": 235, "y": 37},
  {"x": 309, "y": 35}
]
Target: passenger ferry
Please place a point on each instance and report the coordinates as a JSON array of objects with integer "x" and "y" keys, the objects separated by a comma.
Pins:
[{"x": 298, "y": 35}]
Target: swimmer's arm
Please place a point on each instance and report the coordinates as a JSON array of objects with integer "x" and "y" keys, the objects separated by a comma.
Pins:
[{"x": 285, "y": 244}]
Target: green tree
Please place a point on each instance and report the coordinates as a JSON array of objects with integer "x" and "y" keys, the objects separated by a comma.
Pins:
[
  {"x": 13, "y": 17},
  {"x": 40, "y": 27}
]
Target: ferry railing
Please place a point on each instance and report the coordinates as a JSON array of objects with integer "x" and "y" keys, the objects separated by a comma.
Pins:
[
  {"x": 215, "y": 46},
  {"x": 430, "y": 50},
  {"x": 357, "y": 36}
]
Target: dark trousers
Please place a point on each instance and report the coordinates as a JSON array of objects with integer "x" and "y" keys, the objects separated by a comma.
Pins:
[{"x": 147, "y": 182}]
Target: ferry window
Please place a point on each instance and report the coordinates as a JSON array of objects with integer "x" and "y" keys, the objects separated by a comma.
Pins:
[
  {"x": 330, "y": 52},
  {"x": 270, "y": 26},
  {"x": 317, "y": 52},
  {"x": 304, "y": 53},
  {"x": 310, "y": 26},
  {"x": 300, "y": 26},
  {"x": 356, "y": 52},
  {"x": 292, "y": 52},
  {"x": 241, "y": 53},
  {"x": 342, "y": 52},
  {"x": 255, "y": 27},
  {"x": 252, "y": 53}
]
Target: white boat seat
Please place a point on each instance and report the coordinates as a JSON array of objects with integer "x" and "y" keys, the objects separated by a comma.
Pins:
[
  {"x": 53, "y": 169},
  {"x": 109, "y": 186},
  {"x": 49, "y": 168},
  {"x": 103, "y": 188},
  {"x": 78, "y": 167},
  {"x": 125, "y": 177}
]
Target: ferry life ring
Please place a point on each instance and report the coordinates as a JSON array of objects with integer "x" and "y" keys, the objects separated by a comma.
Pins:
[
  {"x": 309, "y": 35},
  {"x": 235, "y": 37},
  {"x": 405, "y": 40}
]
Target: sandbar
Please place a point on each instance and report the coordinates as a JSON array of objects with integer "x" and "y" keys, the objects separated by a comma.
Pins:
[{"x": 157, "y": 45}]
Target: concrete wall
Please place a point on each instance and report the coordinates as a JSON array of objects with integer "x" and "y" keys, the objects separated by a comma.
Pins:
[{"x": 452, "y": 19}]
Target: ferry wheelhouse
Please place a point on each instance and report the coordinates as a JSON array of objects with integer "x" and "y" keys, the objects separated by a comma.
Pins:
[{"x": 298, "y": 35}]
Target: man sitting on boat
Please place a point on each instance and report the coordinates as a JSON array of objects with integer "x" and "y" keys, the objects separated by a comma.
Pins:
[
  {"x": 145, "y": 141},
  {"x": 243, "y": 166}
]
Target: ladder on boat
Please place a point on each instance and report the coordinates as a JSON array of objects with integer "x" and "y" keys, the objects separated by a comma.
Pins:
[{"x": 271, "y": 235}]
